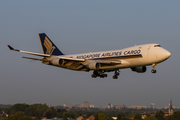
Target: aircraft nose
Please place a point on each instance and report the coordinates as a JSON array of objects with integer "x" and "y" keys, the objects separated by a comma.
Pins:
[{"x": 167, "y": 54}]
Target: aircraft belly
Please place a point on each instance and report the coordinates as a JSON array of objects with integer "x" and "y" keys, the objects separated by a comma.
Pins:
[
  {"x": 117, "y": 66},
  {"x": 113, "y": 67}
]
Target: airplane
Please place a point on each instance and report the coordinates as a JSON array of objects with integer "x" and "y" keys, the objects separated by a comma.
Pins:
[{"x": 136, "y": 58}]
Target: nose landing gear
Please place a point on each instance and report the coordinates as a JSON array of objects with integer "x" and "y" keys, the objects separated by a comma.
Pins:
[
  {"x": 101, "y": 74},
  {"x": 154, "y": 70}
]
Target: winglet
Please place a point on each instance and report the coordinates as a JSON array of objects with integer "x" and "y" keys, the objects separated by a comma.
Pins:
[{"x": 11, "y": 48}]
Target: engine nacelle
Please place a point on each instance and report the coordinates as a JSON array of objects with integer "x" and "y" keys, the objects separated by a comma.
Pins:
[
  {"x": 94, "y": 66},
  {"x": 139, "y": 69},
  {"x": 57, "y": 62}
]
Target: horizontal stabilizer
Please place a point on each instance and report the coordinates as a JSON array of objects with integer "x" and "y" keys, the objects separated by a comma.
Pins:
[
  {"x": 44, "y": 60},
  {"x": 30, "y": 58}
]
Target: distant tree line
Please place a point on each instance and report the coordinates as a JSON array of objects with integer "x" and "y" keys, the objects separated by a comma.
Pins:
[{"x": 38, "y": 111}]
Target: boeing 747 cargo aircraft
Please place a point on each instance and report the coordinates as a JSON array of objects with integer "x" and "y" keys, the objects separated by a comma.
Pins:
[{"x": 136, "y": 58}]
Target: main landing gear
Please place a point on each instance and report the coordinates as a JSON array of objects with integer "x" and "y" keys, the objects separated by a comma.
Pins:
[
  {"x": 154, "y": 70},
  {"x": 101, "y": 74},
  {"x": 116, "y": 74},
  {"x": 98, "y": 74}
]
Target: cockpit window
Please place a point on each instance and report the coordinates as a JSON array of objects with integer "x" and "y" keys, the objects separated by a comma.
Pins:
[{"x": 157, "y": 45}]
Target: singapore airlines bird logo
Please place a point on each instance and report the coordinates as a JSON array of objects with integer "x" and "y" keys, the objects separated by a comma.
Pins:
[{"x": 49, "y": 47}]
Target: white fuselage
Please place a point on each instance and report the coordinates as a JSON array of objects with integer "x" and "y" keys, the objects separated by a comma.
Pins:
[
  {"x": 136, "y": 58},
  {"x": 141, "y": 55}
]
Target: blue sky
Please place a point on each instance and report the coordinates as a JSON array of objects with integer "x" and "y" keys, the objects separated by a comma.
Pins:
[{"x": 88, "y": 26}]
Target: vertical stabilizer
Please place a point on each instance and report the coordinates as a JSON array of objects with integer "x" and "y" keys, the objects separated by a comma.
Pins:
[{"x": 48, "y": 46}]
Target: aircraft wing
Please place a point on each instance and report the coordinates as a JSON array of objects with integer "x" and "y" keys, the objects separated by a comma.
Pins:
[
  {"x": 81, "y": 64},
  {"x": 99, "y": 61},
  {"x": 43, "y": 55},
  {"x": 70, "y": 63},
  {"x": 65, "y": 58},
  {"x": 32, "y": 53}
]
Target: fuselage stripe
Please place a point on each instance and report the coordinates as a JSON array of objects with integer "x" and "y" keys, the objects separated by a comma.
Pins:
[{"x": 119, "y": 57}]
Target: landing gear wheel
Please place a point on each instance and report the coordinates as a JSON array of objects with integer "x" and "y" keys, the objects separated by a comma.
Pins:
[
  {"x": 115, "y": 77},
  {"x": 102, "y": 76},
  {"x": 105, "y": 75},
  {"x": 93, "y": 75},
  {"x": 153, "y": 71},
  {"x": 97, "y": 73},
  {"x": 116, "y": 73}
]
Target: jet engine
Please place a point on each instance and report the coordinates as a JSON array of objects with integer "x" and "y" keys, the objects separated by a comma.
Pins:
[
  {"x": 94, "y": 66},
  {"x": 57, "y": 62},
  {"x": 141, "y": 69}
]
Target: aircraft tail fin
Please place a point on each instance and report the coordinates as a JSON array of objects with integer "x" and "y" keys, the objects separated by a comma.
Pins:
[{"x": 48, "y": 46}]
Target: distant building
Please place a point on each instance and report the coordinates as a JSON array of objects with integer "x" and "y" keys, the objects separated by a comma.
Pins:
[
  {"x": 114, "y": 118},
  {"x": 170, "y": 111},
  {"x": 67, "y": 118},
  {"x": 152, "y": 106},
  {"x": 110, "y": 106},
  {"x": 45, "y": 118},
  {"x": 79, "y": 118},
  {"x": 119, "y": 106},
  {"x": 91, "y": 106},
  {"x": 78, "y": 106},
  {"x": 91, "y": 118},
  {"x": 110, "y": 118},
  {"x": 86, "y": 104},
  {"x": 64, "y": 105},
  {"x": 143, "y": 116},
  {"x": 138, "y": 107},
  {"x": 170, "y": 108}
]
